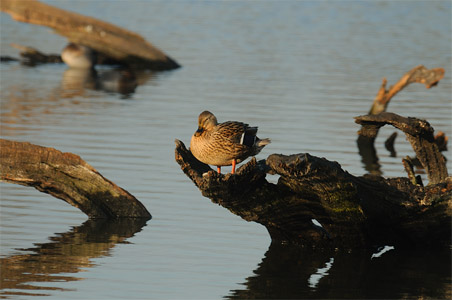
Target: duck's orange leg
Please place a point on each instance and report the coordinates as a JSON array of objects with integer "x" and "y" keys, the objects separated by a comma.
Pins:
[
  {"x": 233, "y": 166},
  {"x": 218, "y": 169}
]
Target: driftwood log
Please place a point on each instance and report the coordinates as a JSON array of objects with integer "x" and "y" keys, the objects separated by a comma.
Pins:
[
  {"x": 68, "y": 177},
  {"x": 354, "y": 212},
  {"x": 110, "y": 40}
]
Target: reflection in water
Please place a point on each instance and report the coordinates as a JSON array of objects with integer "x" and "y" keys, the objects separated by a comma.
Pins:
[
  {"x": 23, "y": 105},
  {"x": 322, "y": 272},
  {"x": 123, "y": 81},
  {"x": 289, "y": 272},
  {"x": 369, "y": 155},
  {"x": 67, "y": 253},
  {"x": 75, "y": 81},
  {"x": 322, "y": 68}
]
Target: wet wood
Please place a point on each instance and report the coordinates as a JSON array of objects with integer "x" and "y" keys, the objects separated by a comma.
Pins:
[
  {"x": 418, "y": 132},
  {"x": 441, "y": 140},
  {"x": 409, "y": 168},
  {"x": 113, "y": 41},
  {"x": 354, "y": 211},
  {"x": 68, "y": 177},
  {"x": 366, "y": 143},
  {"x": 31, "y": 56}
]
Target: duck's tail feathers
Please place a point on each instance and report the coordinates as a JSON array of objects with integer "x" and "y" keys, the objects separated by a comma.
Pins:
[{"x": 262, "y": 143}]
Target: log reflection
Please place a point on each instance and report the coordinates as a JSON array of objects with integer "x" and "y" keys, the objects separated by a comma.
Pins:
[
  {"x": 290, "y": 272},
  {"x": 67, "y": 253},
  {"x": 368, "y": 153}
]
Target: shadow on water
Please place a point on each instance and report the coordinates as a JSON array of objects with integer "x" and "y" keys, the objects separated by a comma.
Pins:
[
  {"x": 67, "y": 253},
  {"x": 289, "y": 272}
]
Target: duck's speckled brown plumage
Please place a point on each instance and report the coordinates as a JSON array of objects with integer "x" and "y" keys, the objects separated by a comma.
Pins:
[{"x": 226, "y": 143}]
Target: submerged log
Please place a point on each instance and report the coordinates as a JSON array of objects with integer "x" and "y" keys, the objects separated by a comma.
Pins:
[
  {"x": 113, "y": 41},
  {"x": 68, "y": 177},
  {"x": 353, "y": 211}
]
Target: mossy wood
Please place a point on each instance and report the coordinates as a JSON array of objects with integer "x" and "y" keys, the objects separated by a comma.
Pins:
[
  {"x": 68, "y": 177},
  {"x": 354, "y": 211},
  {"x": 115, "y": 42}
]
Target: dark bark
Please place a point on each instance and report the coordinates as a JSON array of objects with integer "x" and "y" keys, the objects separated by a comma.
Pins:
[
  {"x": 418, "y": 132},
  {"x": 354, "y": 211},
  {"x": 32, "y": 57},
  {"x": 68, "y": 177},
  {"x": 114, "y": 42}
]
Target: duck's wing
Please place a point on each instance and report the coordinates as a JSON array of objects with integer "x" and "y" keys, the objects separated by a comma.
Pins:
[
  {"x": 231, "y": 131},
  {"x": 238, "y": 133}
]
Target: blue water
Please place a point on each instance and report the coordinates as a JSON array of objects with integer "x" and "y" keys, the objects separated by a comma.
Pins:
[{"x": 300, "y": 70}]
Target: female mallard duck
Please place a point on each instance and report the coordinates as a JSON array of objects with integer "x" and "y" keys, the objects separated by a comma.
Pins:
[
  {"x": 78, "y": 56},
  {"x": 226, "y": 143}
]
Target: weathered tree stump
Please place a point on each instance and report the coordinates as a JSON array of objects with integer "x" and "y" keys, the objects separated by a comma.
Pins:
[
  {"x": 68, "y": 177},
  {"x": 117, "y": 43},
  {"x": 354, "y": 211}
]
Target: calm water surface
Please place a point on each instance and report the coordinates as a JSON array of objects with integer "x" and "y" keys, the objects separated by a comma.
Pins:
[{"x": 299, "y": 70}]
